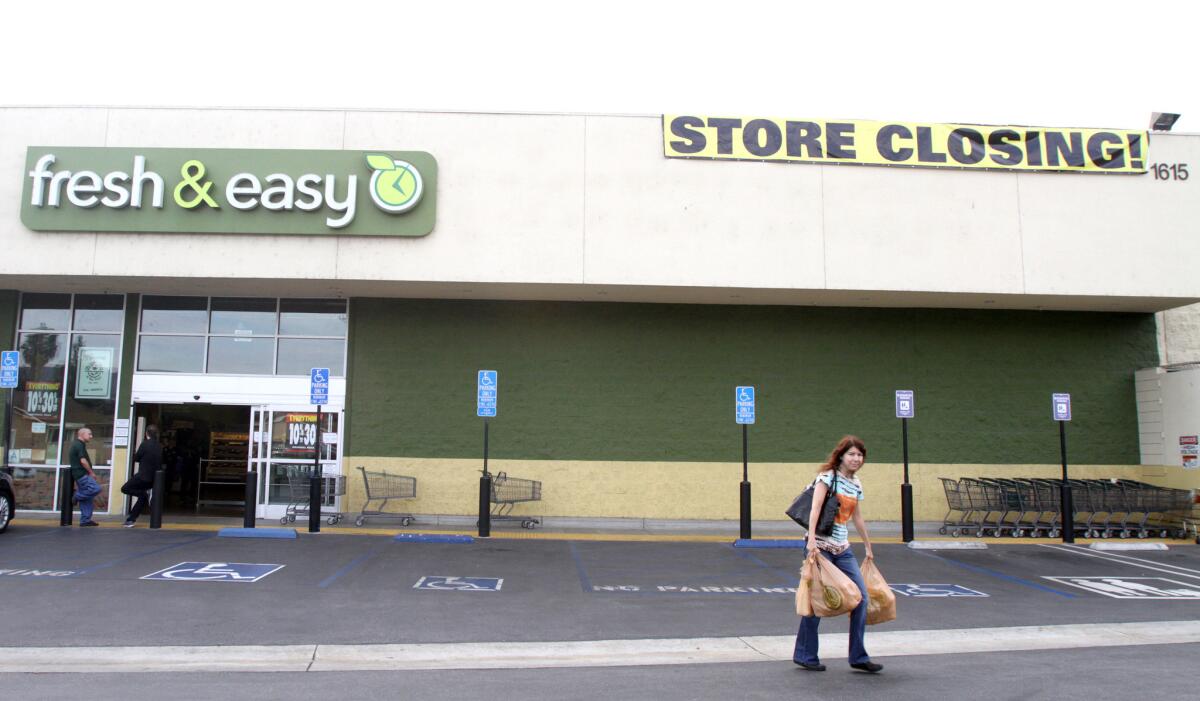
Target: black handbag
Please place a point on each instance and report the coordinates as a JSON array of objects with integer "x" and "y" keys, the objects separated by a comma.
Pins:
[{"x": 802, "y": 507}]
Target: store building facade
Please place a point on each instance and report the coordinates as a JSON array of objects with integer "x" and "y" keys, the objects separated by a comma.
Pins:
[{"x": 620, "y": 292}]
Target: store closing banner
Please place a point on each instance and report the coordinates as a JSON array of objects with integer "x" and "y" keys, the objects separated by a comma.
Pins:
[{"x": 906, "y": 144}]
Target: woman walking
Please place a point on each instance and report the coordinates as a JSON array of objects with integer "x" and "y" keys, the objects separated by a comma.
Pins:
[{"x": 845, "y": 460}]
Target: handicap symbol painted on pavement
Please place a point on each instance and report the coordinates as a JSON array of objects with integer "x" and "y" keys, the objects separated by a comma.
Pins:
[
  {"x": 442, "y": 583},
  {"x": 934, "y": 590},
  {"x": 214, "y": 572}
]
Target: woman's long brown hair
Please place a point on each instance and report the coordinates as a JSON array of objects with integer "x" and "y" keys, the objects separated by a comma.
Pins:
[{"x": 847, "y": 442}]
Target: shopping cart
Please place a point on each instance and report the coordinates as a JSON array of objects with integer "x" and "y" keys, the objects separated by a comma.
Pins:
[
  {"x": 332, "y": 486},
  {"x": 956, "y": 500},
  {"x": 383, "y": 487},
  {"x": 508, "y": 491},
  {"x": 1103, "y": 508}
]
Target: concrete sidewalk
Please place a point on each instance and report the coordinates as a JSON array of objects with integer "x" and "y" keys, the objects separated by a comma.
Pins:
[{"x": 587, "y": 653}]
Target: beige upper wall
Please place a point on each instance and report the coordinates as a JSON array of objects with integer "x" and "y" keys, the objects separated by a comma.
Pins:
[{"x": 587, "y": 207}]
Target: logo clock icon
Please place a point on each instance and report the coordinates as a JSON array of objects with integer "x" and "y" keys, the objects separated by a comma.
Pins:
[{"x": 396, "y": 186}]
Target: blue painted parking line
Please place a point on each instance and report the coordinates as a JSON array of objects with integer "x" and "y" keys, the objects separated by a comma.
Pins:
[
  {"x": 433, "y": 538},
  {"x": 999, "y": 575},
  {"x": 135, "y": 556},
  {"x": 584, "y": 581},
  {"x": 348, "y": 567},
  {"x": 281, "y": 533},
  {"x": 789, "y": 578}
]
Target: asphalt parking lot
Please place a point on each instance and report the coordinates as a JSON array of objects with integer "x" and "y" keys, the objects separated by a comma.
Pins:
[{"x": 134, "y": 587}]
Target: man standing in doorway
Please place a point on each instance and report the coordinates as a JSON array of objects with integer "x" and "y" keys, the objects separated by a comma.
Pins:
[
  {"x": 149, "y": 460},
  {"x": 86, "y": 484}
]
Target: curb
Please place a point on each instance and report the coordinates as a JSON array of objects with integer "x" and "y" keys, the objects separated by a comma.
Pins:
[
  {"x": 283, "y": 533},
  {"x": 768, "y": 543}
]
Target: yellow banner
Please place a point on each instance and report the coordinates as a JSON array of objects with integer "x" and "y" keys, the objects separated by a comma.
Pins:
[{"x": 906, "y": 144}]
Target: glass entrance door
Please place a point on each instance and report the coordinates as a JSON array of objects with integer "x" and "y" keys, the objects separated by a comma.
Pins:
[
  {"x": 285, "y": 454},
  {"x": 258, "y": 458}
]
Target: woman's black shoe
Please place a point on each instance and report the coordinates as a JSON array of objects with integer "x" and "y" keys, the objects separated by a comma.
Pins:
[
  {"x": 818, "y": 667},
  {"x": 871, "y": 667}
]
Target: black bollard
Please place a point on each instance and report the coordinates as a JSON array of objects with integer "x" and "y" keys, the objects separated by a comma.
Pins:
[
  {"x": 314, "y": 504},
  {"x": 1068, "y": 507},
  {"x": 745, "y": 532},
  {"x": 66, "y": 512},
  {"x": 157, "y": 497},
  {"x": 251, "y": 499},
  {"x": 906, "y": 513},
  {"x": 485, "y": 509}
]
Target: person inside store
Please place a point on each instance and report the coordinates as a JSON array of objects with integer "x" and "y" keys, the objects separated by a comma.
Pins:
[
  {"x": 838, "y": 473},
  {"x": 189, "y": 470},
  {"x": 87, "y": 487},
  {"x": 149, "y": 460}
]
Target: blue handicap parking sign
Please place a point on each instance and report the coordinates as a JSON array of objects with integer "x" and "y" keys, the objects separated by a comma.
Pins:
[
  {"x": 933, "y": 591},
  {"x": 743, "y": 405},
  {"x": 214, "y": 572},
  {"x": 1062, "y": 407},
  {"x": 487, "y": 390},
  {"x": 319, "y": 386},
  {"x": 905, "y": 406},
  {"x": 10, "y": 365},
  {"x": 444, "y": 583}
]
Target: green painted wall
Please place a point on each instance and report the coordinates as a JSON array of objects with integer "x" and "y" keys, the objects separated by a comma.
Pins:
[{"x": 585, "y": 381}]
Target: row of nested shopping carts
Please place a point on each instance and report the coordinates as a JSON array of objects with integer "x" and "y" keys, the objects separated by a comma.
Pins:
[
  {"x": 1103, "y": 508},
  {"x": 382, "y": 487}
]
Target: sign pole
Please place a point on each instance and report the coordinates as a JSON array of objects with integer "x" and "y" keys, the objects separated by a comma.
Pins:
[
  {"x": 745, "y": 530},
  {"x": 10, "y": 368},
  {"x": 8, "y": 405},
  {"x": 906, "y": 408},
  {"x": 743, "y": 413},
  {"x": 485, "y": 491},
  {"x": 318, "y": 394},
  {"x": 906, "y": 498},
  {"x": 486, "y": 391},
  {"x": 1061, "y": 412},
  {"x": 314, "y": 484}
]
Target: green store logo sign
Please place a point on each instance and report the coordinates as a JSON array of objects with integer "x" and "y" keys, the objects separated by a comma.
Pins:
[{"x": 230, "y": 191}]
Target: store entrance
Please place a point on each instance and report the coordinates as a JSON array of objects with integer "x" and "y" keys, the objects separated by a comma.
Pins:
[{"x": 206, "y": 449}]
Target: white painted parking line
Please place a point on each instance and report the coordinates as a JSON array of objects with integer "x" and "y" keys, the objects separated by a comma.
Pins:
[
  {"x": 584, "y": 653},
  {"x": 1140, "y": 588},
  {"x": 1175, "y": 570}
]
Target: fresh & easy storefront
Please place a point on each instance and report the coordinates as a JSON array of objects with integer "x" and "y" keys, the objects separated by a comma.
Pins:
[{"x": 622, "y": 274}]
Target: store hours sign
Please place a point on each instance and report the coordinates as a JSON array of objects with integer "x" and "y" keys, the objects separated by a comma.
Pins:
[
  {"x": 41, "y": 399},
  {"x": 301, "y": 432}
]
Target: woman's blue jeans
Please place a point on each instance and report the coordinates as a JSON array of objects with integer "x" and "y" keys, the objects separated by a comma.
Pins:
[{"x": 806, "y": 638}]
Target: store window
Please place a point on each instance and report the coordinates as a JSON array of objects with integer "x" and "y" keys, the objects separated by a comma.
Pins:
[
  {"x": 70, "y": 361},
  {"x": 242, "y": 335}
]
